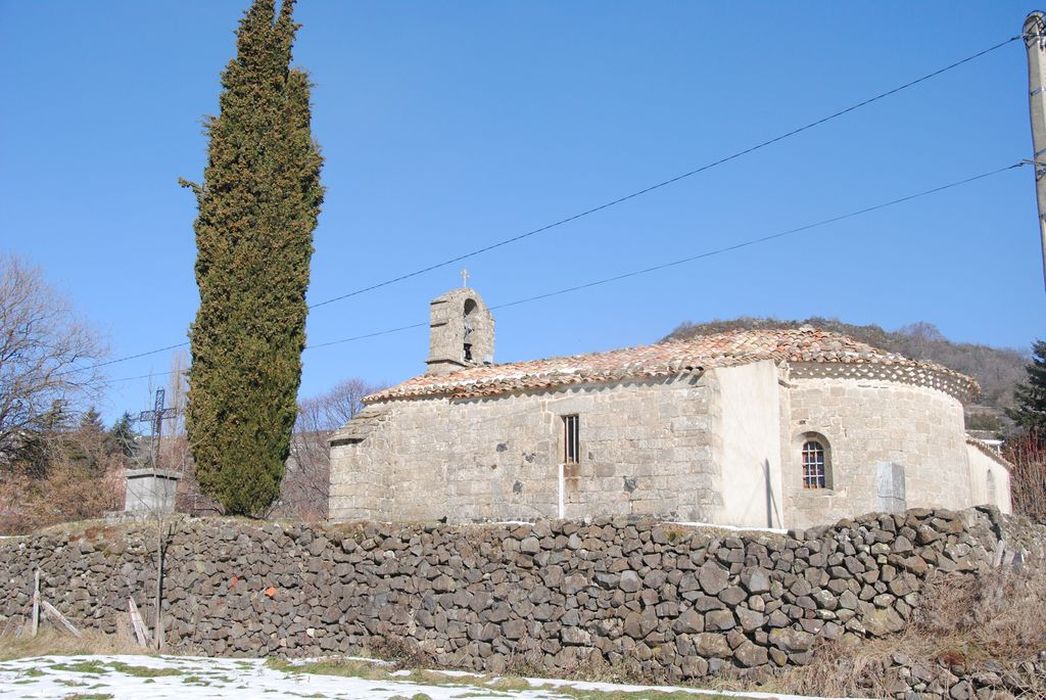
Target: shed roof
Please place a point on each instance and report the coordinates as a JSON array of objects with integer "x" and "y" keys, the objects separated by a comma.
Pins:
[
  {"x": 988, "y": 451},
  {"x": 805, "y": 348}
]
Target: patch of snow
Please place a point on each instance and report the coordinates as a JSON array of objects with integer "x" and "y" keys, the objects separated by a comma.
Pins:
[
  {"x": 207, "y": 679},
  {"x": 199, "y": 678}
]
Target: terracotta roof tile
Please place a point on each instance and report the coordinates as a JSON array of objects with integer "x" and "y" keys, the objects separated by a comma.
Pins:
[
  {"x": 802, "y": 346},
  {"x": 989, "y": 451}
]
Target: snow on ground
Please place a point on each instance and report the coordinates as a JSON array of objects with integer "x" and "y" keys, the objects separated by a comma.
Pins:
[{"x": 196, "y": 678}]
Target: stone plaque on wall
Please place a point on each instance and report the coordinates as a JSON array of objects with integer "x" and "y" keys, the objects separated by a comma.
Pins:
[{"x": 889, "y": 483}]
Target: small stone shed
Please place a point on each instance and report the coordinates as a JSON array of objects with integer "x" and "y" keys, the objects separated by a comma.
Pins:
[{"x": 761, "y": 428}]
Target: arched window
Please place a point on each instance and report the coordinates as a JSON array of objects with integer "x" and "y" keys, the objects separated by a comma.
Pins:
[
  {"x": 470, "y": 308},
  {"x": 815, "y": 465}
]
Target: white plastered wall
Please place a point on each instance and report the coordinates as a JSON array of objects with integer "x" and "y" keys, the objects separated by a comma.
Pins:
[
  {"x": 989, "y": 480},
  {"x": 750, "y": 445}
]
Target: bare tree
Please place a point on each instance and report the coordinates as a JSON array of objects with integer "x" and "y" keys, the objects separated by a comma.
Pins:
[
  {"x": 1027, "y": 453},
  {"x": 46, "y": 356},
  {"x": 306, "y": 484},
  {"x": 177, "y": 390},
  {"x": 83, "y": 479},
  {"x": 332, "y": 410}
]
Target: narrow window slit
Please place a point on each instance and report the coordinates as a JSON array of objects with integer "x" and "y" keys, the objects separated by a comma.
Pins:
[{"x": 571, "y": 440}]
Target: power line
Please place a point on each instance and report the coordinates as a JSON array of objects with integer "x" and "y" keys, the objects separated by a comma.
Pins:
[
  {"x": 308, "y": 347},
  {"x": 367, "y": 335},
  {"x": 713, "y": 252},
  {"x": 606, "y": 205},
  {"x": 151, "y": 375},
  {"x": 125, "y": 358},
  {"x": 680, "y": 261},
  {"x": 673, "y": 263},
  {"x": 665, "y": 183},
  {"x": 761, "y": 239}
]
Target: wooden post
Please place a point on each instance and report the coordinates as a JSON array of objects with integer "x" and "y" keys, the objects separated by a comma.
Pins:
[
  {"x": 161, "y": 548},
  {"x": 36, "y": 603},
  {"x": 52, "y": 611},
  {"x": 1034, "y": 33},
  {"x": 138, "y": 624}
]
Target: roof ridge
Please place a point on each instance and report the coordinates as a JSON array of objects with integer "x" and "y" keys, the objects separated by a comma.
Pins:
[{"x": 805, "y": 344}]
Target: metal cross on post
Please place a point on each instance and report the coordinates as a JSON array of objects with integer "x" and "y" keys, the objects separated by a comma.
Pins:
[
  {"x": 465, "y": 278},
  {"x": 156, "y": 417}
]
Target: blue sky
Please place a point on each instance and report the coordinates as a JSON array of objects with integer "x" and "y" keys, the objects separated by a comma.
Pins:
[{"x": 448, "y": 126}]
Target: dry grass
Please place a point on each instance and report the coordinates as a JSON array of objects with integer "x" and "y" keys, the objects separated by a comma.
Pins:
[
  {"x": 53, "y": 643},
  {"x": 965, "y": 621},
  {"x": 491, "y": 685},
  {"x": 995, "y": 616},
  {"x": 1027, "y": 454},
  {"x": 354, "y": 668},
  {"x": 399, "y": 652},
  {"x": 70, "y": 492}
]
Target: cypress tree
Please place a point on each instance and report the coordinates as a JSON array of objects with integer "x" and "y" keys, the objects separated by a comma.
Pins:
[
  {"x": 1030, "y": 397},
  {"x": 258, "y": 206}
]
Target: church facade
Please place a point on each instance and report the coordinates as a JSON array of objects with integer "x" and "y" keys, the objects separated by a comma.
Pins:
[{"x": 761, "y": 428}]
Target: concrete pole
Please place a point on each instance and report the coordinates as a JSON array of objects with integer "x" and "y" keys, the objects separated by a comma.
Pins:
[{"x": 1034, "y": 34}]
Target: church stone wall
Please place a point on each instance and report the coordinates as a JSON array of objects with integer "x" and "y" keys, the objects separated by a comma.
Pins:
[
  {"x": 867, "y": 422},
  {"x": 647, "y": 448}
]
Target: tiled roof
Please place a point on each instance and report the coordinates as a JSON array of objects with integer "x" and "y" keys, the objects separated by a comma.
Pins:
[
  {"x": 989, "y": 451},
  {"x": 801, "y": 346}
]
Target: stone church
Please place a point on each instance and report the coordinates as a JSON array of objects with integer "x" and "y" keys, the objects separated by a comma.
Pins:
[{"x": 760, "y": 428}]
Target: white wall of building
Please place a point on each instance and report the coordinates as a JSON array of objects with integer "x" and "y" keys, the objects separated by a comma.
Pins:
[
  {"x": 750, "y": 445},
  {"x": 989, "y": 479}
]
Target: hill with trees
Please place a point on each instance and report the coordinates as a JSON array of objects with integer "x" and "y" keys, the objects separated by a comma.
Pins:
[{"x": 997, "y": 370}]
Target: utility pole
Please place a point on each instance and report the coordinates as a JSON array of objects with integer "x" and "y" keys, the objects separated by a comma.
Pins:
[{"x": 1034, "y": 34}]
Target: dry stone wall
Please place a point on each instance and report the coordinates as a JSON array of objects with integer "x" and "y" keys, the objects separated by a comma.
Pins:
[{"x": 551, "y": 596}]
